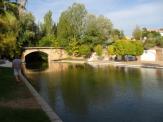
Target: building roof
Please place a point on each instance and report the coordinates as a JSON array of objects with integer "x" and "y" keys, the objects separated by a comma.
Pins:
[
  {"x": 156, "y": 48},
  {"x": 156, "y": 30}
]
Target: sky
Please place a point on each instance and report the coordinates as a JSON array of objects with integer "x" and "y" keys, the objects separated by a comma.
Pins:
[{"x": 124, "y": 14}]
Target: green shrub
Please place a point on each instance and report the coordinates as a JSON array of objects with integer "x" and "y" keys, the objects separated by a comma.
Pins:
[
  {"x": 98, "y": 50},
  {"x": 84, "y": 50},
  {"x": 111, "y": 50},
  {"x": 128, "y": 47},
  {"x": 47, "y": 40},
  {"x": 73, "y": 47}
]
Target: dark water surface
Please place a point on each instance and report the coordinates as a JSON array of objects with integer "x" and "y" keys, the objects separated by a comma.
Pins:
[{"x": 89, "y": 93}]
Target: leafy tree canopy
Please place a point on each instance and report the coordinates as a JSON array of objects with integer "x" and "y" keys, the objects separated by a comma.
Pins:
[
  {"x": 126, "y": 47},
  {"x": 48, "y": 26},
  {"x": 137, "y": 33}
]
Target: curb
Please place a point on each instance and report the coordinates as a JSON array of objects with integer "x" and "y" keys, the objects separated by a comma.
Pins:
[
  {"x": 113, "y": 63},
  {"x": 46, "y": 108},
  {"x": 126, "y": 65}
]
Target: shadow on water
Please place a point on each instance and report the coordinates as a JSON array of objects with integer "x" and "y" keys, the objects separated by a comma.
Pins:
[
  {"x": 37, "y": 61},
  {"x": 37, "y": 66}
]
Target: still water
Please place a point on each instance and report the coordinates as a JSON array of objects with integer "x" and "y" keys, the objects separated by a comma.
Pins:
[{"x": 92, "y": 93}]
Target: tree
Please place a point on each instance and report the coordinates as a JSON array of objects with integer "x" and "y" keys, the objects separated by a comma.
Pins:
[
  {"x": 111, "y": 50},
  {"x": 48, "y": 27},
  {"x": 22, "y": 4},
  {"x": 71, "y": 23},
  {"x": 47, "y": 41},
  {"x": 73, "y": 47},
  {"x": 16, "y": 30},
  {"x": 17, "y": 6},
  {"x": 92, "y": 33},
  {"x": 27, "y": 30},
  {"x": 88, "y": 29},
  {"x": 137, "y": 33},
  {"x": 144, "y": 33},
  {"x": 138, "y": 48},
  {"x": 116, "y": 35},
  {"x": 48, "y": 30},
  {"x": 121, "y": 47},
  {"x": 84, "y": 50},
  {"x": 104, "y": 26},
  {"x": 153, "y": 39},
  {"x": 98, "y": 29},
  {"x": 8, "y": 28},
  {"x": 161, "y": 42},
  {"x": 98, "y": 49},
  {"x": 128, "y": 47},
  {"x": 7, "y": 44}
]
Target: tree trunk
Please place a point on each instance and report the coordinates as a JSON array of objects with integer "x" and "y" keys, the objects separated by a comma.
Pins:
[{"x": 22, "y": 4}]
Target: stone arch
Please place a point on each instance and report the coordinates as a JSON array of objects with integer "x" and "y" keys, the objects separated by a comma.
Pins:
[
  {"x": 35, "y": 53},
  {"x": 53, "y": 53},
  {"x": 27, "y": 52}
]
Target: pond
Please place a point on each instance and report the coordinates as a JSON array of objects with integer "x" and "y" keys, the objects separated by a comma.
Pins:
[{"x": 93, "y": 93}]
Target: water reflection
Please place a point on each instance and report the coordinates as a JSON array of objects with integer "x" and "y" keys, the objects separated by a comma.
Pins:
[{"x": 85, "y": 93}]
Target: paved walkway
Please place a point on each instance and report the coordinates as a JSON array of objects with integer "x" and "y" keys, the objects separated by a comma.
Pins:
[{"x": 7, "y": 64}]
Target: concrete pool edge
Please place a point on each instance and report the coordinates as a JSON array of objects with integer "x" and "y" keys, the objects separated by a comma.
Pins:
[
  {"x": 112, "y": 63},
  {"x": 46, "y": 108},
  {"x": 125, "y": 65}
]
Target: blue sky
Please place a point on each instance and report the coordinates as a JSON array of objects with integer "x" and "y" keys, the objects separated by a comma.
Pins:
[{"x": 124, "y": 14}]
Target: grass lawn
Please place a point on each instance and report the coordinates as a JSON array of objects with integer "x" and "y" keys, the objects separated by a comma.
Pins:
[{"x": 16, "y": 102}]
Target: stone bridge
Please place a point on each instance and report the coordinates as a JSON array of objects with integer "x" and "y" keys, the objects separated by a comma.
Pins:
[{"x": 53, "y": 53}]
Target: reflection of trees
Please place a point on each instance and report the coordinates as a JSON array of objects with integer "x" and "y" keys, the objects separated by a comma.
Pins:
[
  {"x": 135, "y": 81},
  {"x": 51, "y": 76},
  {"x": 78, "y": 87},
  {"x": 84, "y": 86},
  {"x": 159, "y": 75},
  {"x": 120, "y": 78},
  {"x": 72, "y": 89}
]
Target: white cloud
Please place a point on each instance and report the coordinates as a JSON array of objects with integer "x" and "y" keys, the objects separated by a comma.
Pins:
[
  {"x": 124, "y": 14},
  {"x": 143, "y": 15}
]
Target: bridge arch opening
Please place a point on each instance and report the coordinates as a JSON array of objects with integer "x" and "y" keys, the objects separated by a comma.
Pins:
[{"x": 36, "y": 60}]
